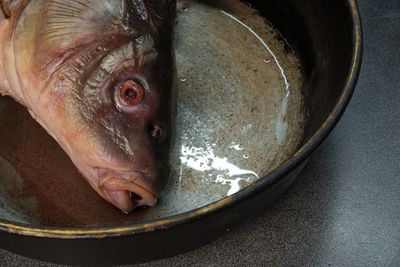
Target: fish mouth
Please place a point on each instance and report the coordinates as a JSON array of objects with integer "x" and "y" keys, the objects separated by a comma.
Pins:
[{"x": 127, "y": 190}]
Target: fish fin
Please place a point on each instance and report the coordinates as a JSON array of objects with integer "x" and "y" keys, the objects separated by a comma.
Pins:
[{"x": 68, "y": 19}]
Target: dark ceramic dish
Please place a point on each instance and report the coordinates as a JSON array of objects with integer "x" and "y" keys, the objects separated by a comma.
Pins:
[{"x": 327, "y": 37}]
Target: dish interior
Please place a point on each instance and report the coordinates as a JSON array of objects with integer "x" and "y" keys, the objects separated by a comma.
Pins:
[{"x": 241, "y": 113}]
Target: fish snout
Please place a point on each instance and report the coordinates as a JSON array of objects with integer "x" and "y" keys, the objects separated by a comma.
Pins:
[{"x": 129, "y": 190}]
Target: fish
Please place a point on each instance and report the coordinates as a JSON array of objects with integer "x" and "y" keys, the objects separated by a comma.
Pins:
[{"x": 100, "y": 77}]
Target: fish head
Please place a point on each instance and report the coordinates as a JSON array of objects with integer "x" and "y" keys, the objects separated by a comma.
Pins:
[
  {"x": 125, "y": 106},
  {"x": 104, "y": 75}
]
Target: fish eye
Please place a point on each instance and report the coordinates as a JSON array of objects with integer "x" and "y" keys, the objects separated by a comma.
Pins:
[{"x": 130, "y": 93}]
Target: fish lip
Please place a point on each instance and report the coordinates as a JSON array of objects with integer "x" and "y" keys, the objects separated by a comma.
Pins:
[
  {"x": 124, "y": 173},
  {"x": 114, "y": 183}
]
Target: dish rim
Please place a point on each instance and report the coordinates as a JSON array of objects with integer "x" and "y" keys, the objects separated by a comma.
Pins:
[{"x": 183, "y": 218}]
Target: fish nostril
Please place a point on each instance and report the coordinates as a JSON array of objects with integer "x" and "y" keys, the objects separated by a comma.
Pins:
[{"x": 155, "y": 130}]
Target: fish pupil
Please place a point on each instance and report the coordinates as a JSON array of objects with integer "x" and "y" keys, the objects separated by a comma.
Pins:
[{"x": 130, "y": 94}]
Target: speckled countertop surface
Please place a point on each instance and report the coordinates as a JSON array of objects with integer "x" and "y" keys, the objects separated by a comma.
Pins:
[{"x": 344, "y": 210}]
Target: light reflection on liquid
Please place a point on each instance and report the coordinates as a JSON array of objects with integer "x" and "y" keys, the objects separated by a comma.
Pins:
[
  {"x": 205, "y": 160},
  {"x": 281, "y": 125}
]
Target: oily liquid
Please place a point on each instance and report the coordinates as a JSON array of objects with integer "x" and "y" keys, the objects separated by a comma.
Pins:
[{"x": 240, "y": 115}]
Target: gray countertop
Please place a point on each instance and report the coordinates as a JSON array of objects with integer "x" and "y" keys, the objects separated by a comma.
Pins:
[{"x": 344, "y": 210}]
